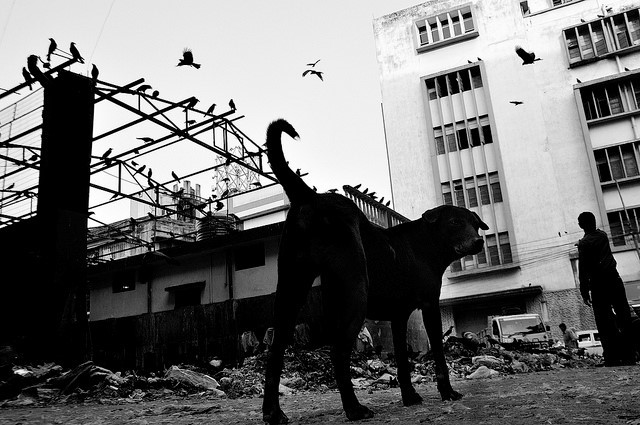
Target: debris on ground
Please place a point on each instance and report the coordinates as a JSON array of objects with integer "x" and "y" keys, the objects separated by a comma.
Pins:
[{"x": 304, "y": 370}]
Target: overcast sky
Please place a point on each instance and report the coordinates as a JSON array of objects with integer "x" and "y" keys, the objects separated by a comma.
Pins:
[{"x": 251, "y": 51}]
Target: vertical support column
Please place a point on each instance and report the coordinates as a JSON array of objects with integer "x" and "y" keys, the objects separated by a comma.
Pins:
[{"x": 60, "y": 330}]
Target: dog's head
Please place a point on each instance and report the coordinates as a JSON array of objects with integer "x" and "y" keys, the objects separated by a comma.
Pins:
[{"x": 457, "y": 228}]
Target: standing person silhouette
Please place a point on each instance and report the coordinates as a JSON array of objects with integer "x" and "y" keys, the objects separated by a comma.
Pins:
[{"x": 602, "y": 288}]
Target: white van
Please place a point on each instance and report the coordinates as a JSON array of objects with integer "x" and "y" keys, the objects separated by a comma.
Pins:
[{"x": 590, "y": 341}]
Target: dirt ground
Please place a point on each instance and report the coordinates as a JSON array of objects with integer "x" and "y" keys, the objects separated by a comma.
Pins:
[{"x": 595, "y": 395}]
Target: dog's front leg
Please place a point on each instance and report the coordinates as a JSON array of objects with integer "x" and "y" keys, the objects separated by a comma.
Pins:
[
  {"x": 433, "y": 324},
  {"x": 399, "y": 329}
]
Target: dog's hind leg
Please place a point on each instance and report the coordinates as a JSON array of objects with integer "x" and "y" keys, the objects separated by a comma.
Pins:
[
  {"x": 295, "y": 278},
  {"x": 399, "y": 330},
  {"x": 344, "y": 298}
]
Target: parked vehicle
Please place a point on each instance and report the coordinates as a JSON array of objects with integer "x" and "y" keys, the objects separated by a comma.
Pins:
[
  {"x": 523, "y": 329},
  {"x": 590, "y": 341}
]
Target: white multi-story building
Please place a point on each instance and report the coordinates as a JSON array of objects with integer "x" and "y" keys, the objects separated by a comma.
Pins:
[{"x": 526, "y": 146}]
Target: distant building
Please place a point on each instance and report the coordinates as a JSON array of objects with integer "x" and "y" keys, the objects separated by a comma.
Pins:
[
  {"x": 526, "y": 146},
  {"x": 185, "y": 288}
]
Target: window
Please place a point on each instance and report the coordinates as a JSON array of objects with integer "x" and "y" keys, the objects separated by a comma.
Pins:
[
  {"x": 621, "y": 229},
  {"x": 611, "y": 98},
  {"x": 594, "y": 40},
  {"x": 124, "y": 281},
  {"x": 618, "y": 162},
  {"x": 446, "y": 26},
  {"x": 499, "y": 249},
  {"x": 185, "y": 295},
  {"x": 471, "y": 189},
  {"x": 462, "y": 135},
  {"x": 453, "y": 83},
  {"x": 249, "y": 256}
]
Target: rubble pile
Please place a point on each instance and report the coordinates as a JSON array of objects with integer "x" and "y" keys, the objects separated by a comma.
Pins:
[{"x": 308, "y": 370}]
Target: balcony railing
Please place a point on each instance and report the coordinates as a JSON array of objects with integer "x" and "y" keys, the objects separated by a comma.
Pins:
[{"x": 377, "y": 213}]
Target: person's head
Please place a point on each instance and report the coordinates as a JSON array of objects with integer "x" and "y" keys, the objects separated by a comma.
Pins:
[
  {"x": 587, "y": 221},
  {"x": 562, "y": 327}
]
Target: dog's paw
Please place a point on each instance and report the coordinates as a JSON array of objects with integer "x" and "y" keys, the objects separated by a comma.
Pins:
[
  {"x": 275, "y": 418},
  {"x": 451, "y": 394},
  {"x": 411, "y": 399},
  {"x": 359, "y": 412}
]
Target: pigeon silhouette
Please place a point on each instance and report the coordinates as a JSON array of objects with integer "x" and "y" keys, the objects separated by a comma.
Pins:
[
  {"x": 232, "y": 104},
  {"x": 192, "y": 103},
  {"x": 75, "y": 53},
  {"x": 52, "y": 48},
  {"x": 94, "y": 73},
  {"x": 187, "y": 59},
  {"x": 143, "y": 88},
  {"x": 515, "y": 102},
  {"x": 145, "y": 139},
  {"x": 314, "y": 72},
  {"x": 155, "y": 94},
  {"x": 211, "y": 108},
  {"x": 527, "y": 57},
  {"x": 27, "y": 77},
  {"x": 314, "y": 63},
  {"x": 175, "y": 176},
  {"x": 107, "y": 153}
]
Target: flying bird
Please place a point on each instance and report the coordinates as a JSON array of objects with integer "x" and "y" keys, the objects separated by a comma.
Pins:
[
  {"x": 94, "y": 73},
  {"x": 175, "y": 176},
  {"x": 52, "y": 48},
  {"x": 143, "y": 88},
  {"x": 75, "y": 53},
  {"x": 145, "y": 139},
  {"x": 211, "y": 108},
  {"x": 314, "y": 72},
  {"x": 527, "y": 57},
  {"x": 232, "y": 104},
  {"x": 187, "y": 59},
  {"x": 27, "y": 77},
  {"x": 192, "y": 103},
  {"x": 515, "y": 102},
  {"x": 155, "y": 94},
  {"x": 314, "y": 63}
]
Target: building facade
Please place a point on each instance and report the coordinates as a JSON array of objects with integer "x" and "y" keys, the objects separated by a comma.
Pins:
[{"x": 528, "y": 146}]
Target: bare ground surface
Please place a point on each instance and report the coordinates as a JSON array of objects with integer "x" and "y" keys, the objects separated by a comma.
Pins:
[{"x": 595, "y": 395}]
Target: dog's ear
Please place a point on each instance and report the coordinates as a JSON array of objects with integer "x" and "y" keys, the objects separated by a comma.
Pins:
[
  {"x": 432, "y": 215},
  {"x": 482, "y": 224}
]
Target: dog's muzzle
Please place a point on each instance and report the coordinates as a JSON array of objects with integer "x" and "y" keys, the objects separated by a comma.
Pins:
[{"x": 470, "y": 248}]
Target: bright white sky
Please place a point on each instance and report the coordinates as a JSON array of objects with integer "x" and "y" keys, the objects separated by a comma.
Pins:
[{"x": 252, "y": 51}]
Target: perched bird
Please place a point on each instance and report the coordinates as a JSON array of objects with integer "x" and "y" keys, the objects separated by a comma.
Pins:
[
  {"x": 314, "y": 63},
  {"x": 211, "y": 108},
  {"x": 75, "y": 53},
  {"x": 155, "y": 94},
  {"x": 94, "y": 73},
  {"x": 135, "y": 164},
  {"x": 175, "y": 176},
  {"x": 143, "y": 88},
  {"x": 314, "y": 72},
  {"x": 387, "y": 204},
  {"x": 626, "y": 69},
  {"x": 107, "y": 153},
  {"x": 364, "y": 192},
  {"x": 192, "y": 103},
  {"x": 219, "y": 206},
  {"x": 298, "y": 172},
  {"x": 381, "y": 200},
  {"x": 578, "y": 80},
  {"x": 256, "y": 184},
  {"x": 479, "y": 59},
  {"x": 52, "y": 48},
  {"x": 149, "y": 173},
  {"x": 232, "y": 104},
  {"x": 32, "y": 66},
  {"x": 187, "y": 59},
  {"x": 145, "y": 139},
  {"x": 141, "y": 169},
  {"x": 357, "y": 186},
  {"x": 515, "y": 102},
  {"x": 332, "y": 190},
  {"x": 582, "y": 20},
  {"x": 527, "y": 57},
  {"x": 468, "y": 61},
  {"x": 27, "y": 77}
]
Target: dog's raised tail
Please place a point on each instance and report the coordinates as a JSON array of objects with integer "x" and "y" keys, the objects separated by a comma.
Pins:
[{"x": 296, "y": 189}]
